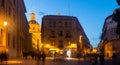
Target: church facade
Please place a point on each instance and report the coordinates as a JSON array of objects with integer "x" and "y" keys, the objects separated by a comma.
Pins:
[{"x": 35, "y": 32}]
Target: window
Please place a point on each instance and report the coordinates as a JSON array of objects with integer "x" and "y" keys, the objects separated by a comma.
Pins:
[
  {"x": 66, "y": 24},
  {"x": 13, "y": 18},
  {"x": 70, "y": 23},
  {"x": 1, "y": 33},
  {"x": 50, "y": 24},
  {"x": 60, "y": 44},
  {"x": 13, "y": 42},
  {"x": 3, "y": 3},
  {"x": 68, "y": 35},
  {"x": 14, "y": 2},
  {"x": 9, "y": 11},
  {"x": 52, "y": 34},
  {"x": 54, "y": 24},
  {"x": 60, "y": 33},
  {"x": 33, "y": 28},
  {"x": 60, "y": 23},
  {"x": 9, "y": 39},
  {"x": 38, "y": 29}
]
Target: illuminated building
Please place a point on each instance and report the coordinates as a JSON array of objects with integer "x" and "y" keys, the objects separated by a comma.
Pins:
[
  {"x": 63, "y": 32},
  {"x": 110, "y": 42},
  {"x": 35, "y": 32},
  {"x": 13, "y": 36}
]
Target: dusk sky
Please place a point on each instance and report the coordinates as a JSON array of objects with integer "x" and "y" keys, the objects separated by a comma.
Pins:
[{"x": 90, "y": 13}]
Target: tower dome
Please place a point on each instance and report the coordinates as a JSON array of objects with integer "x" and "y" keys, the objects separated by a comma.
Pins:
[
  {"x": 33, "y": 19},
  {"x": 32, "y": 16}
]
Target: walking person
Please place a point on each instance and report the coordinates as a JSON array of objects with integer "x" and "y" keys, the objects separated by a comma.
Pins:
[
  {"x": 43, "y": 58},
  {"x": 114, "y": 59},
  {"x": 94, "y": 58},
  {"x": 101, "y": 56},
  {"x": 4, "y": 57}
]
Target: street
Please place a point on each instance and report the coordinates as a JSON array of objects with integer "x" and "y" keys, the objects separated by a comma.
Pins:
[
  {"x": 72, "y": 61},
  {"x": 48, "y": 62}
]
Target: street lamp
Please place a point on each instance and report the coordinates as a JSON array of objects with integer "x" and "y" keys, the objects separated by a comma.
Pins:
[{"x": 5, "y": 23}]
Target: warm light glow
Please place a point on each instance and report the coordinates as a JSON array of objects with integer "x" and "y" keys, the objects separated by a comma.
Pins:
[
  {"x": 73, "y": 46},
  {"x": 52, "y": 49},
  {"x": 5, "y": 23},
  {"x": 80, "y": 39},
  {"x": 47, "y": 46},
  {"x": 94, "y": 50},
  {"x": 69, "y": 53},
  {"x": 13, "y": 62},
  {"x": 41, "y": 45}
]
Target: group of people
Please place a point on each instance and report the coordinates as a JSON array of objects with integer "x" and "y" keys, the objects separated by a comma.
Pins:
[
  {"x": 94, "y": 59},
  {"x": 3, "y": 57},
  {"x": 42, "y": 57},
  {"x": 37, "y": 56},
  {"x": 116, "y": 58}
]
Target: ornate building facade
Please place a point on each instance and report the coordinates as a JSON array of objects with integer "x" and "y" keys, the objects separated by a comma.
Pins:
[
  {"x": 13, "y": 36},
  {"x": 35, "y": 31},
  {"x": 110, "y": 39},
  {"x": 62, "y": 33}
]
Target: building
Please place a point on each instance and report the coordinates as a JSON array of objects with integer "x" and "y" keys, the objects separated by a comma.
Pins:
[
  {"x": 13, "y": 36},
  {"x": 110, "y": 39},
  {"x": 35, "y": 31},
  {"x": 62, "y": 33},
  {"x": 118, "y": 1}
]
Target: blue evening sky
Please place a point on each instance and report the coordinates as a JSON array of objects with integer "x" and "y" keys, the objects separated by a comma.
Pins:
[{"x": 90, "y": 13}]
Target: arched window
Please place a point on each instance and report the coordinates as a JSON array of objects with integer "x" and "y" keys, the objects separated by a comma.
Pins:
[
  {"x": 3, "y": 3},
  {"x": 68, "y": 35}
]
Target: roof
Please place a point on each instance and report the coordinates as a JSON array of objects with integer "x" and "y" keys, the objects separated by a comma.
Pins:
[{"x": 61, "y": 16}]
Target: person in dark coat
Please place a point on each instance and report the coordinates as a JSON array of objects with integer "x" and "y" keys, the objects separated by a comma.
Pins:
[
  {"x": 4, "y": 57},
  {"x": 101, "y": 56},
  {"x": 114, "y": 58},
  {"x": 94, "y": 59},
  {"x": 43, "y": 58}
]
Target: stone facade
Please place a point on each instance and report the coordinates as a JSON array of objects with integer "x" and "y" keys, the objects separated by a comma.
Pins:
[
  {"x": 110, "y": 39},
  {"x": 63, "y": 33},
  {"x": 14, "y": 35},
  {"x": 35, "y": 31}
]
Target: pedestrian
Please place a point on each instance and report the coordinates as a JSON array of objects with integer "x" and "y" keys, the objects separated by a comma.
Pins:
[
  {"x": 78, "y": 56},
  {"x": 43, "y": 58},
  {"x": 0, "y": 58},
  {"x": 94, "y": 58},
  {"x": 101, "y": 56},
  {"x": 114, "y": 59},
  {"x": 4, "y": 57}
]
